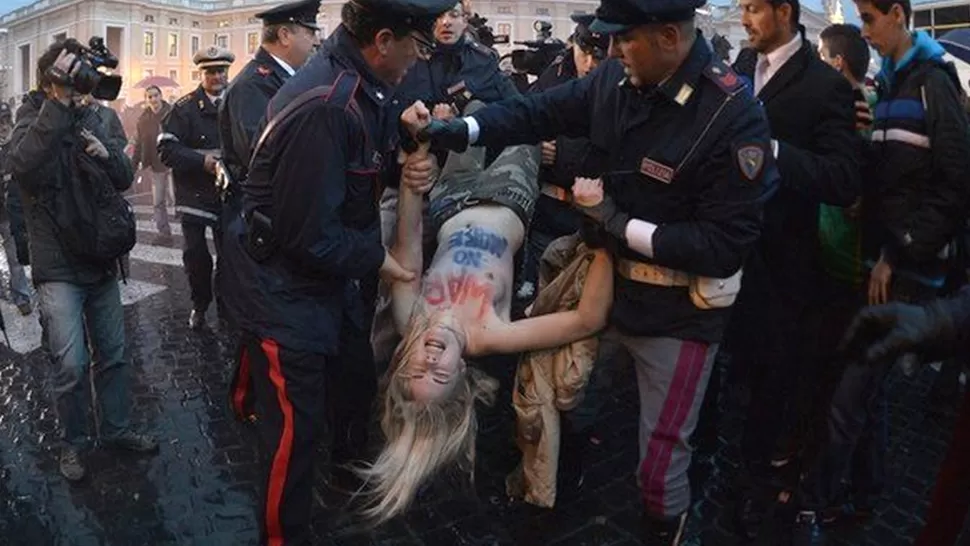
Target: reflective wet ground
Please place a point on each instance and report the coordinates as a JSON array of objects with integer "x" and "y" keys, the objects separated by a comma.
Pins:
[{"x": 202, "y": 486}]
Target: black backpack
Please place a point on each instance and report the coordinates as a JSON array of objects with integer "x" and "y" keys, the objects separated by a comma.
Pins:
[{"x": 94, "y": 222}]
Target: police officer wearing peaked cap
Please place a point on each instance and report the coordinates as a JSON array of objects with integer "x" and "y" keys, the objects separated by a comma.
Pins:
[
  {"x": 189, "y": 145},
  {"x": 686, "y": 165},
  {"x": 289, "y": 37},
  {"x": 307, "y": 244}
]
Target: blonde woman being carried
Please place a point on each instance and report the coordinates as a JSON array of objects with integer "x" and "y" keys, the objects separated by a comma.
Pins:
[{"x": 460, "y": 309}]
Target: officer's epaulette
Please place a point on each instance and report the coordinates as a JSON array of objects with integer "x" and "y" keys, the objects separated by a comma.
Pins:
[
  {"x": 482, "y": 48},
  {"x": 185, "y": 99},
  {"x": 723, "y": 76},
  {"x": 264, "y": 70}
]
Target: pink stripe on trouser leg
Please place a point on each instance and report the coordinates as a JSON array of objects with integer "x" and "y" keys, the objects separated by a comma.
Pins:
[{"x": 672, "y": 376}]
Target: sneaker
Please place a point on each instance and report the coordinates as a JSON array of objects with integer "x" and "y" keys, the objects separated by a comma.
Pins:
[
  {"x": 71, "y": 466},
  {"x": 132, "y": 441}
]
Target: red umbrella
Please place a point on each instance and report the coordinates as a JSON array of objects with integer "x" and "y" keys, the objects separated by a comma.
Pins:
[{"x": 157, "y": 81}]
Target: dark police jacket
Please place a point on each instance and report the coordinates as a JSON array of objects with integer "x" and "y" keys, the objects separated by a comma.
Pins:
[
  {"x": 190, "y": 130},
  {"x": 465, "y": 65},
  {"x": 322, "y": 167},
  {"x": 691, "y": 156},
  {"x": 810, "y": 111},
  {"x": 243, "y": 108},
  {"x": 553, "y": 216},
  {"x": 918, "y": 168}
]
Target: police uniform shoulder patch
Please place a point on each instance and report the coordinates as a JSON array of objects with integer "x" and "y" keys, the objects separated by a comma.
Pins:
[
  {"x": 751, "y": 160},
  {"x": 482, "y": 49},
  {"x": 184, "y": 100},
  {"x": 723, "y": 76}
]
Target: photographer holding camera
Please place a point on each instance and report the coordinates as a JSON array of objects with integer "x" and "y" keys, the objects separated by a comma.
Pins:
[{"x": 60, "y": 159}]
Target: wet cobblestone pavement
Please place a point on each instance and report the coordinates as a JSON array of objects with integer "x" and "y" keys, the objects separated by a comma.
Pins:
[{"x": 201, "y": 489}]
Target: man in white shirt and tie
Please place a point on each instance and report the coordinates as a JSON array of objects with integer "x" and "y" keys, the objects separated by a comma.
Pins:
[{"x": 810, "y": 111}]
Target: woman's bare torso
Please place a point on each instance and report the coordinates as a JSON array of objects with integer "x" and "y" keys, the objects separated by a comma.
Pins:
[{"x": 472, "y": 270}]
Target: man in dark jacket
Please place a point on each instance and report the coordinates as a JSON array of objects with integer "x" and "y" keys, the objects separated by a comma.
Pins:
[
  {"x": 309, "y": 237},
  {"x": 75, "y": 297},
  {"x": 289, "y": 38},
  {"x": 189, "y": 144},
  {"x": 810, "y": 110},
  {"x": 917, "y": 187},
  {"x": 147, "y": 160},
  {"x": 563, "y": 158},
  {"x": 19, "y": 285}
]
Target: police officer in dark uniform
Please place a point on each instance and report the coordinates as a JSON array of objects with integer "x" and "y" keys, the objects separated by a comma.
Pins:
[
  {"x": 686, "y": 163},
  {"x": 459, "y": 70},
  {"x": 189, "y": 145},
  {"x": 308, "y": 236},
  {"x": 290, "y": 35},
  {"x": 562, "y": 158}
]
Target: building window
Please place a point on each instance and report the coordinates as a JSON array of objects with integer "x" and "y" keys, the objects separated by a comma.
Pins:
[
  {"x": 59, "y": 37},
  {"x": 503, "y": 29},
  {"x": 542, "y": 11},
  {"x": 222, "y": 40},
  {"x": 252, "y": 42},
  {"x": 225, "y": 23},
  {"x": 196, "y": 24},
  {"x": 195, "y": 76},
  {"x": 149, "y": 18},
  {"x": 505, "y": 10},
  {"x": 173, "y": 75},
  {"x": 148, "y": 73},
  {"x": 921, "y": 19},
  {"x": 149, "y": 43},
  {"x": 951, "y": 17},
  {"x": 26, "y": 68},
  {"x": 172, "y": 21},
  {"x": 173, "y": 44},
  {"x": 196, "y": 45}
]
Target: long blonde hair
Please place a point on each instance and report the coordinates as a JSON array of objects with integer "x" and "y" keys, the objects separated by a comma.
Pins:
[{"x": 420, "y": 437}]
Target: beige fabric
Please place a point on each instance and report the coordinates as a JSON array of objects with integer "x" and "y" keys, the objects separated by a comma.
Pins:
[{"x": 550, "y": 381}]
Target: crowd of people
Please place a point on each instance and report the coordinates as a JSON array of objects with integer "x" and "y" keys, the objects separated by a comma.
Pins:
[{"x": 386, "y": 207}]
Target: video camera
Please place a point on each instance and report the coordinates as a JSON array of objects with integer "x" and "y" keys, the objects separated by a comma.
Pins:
[
  {"x": 539, "y": 53},
  {"x": 89, "y": 80},
  {"x": 482, "y": 32}
]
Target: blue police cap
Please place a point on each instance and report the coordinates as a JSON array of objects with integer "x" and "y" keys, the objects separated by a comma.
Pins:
[
  {"x": 615, "y": 16},
  {"x": 594, "y": 42},
  {"x": 303, "y": 13},
  {"x": 417, "y": 14}
]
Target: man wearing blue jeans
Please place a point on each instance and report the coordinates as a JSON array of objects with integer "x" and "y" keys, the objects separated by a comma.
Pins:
[
  {"x": 19, "y": 285},
  {"x": 75, "y": 296}
]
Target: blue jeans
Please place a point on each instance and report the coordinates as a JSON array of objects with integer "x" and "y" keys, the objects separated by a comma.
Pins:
[
  {"x": 68, "y": 311},
  {"x": 19, "y": 285}
]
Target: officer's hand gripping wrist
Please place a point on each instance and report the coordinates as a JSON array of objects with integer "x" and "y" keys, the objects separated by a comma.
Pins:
[
  {"x": 606, "y": 214},
  {"x": 450, "y": 135}
]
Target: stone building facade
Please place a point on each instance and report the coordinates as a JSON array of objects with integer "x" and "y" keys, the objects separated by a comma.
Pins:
[{"x": 159, "y": 37}]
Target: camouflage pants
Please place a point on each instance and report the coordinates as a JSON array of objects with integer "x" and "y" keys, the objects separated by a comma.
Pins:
[{"x": 510, "y": 181}]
